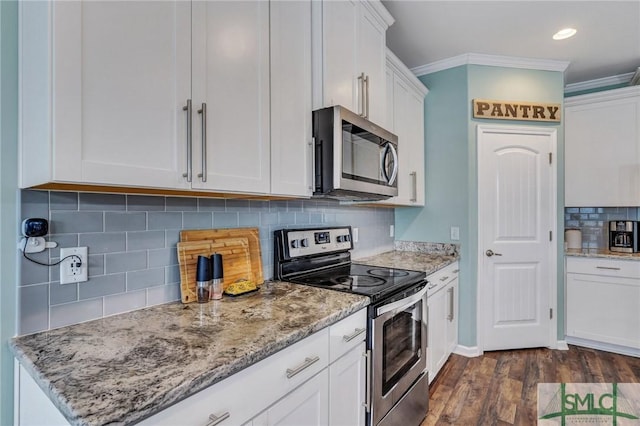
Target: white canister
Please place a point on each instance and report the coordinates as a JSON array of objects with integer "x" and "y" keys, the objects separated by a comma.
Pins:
[{"x": 573, "y": 238}]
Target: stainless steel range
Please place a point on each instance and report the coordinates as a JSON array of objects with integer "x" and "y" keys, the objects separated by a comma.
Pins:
[{"x": 398, "y": 389}]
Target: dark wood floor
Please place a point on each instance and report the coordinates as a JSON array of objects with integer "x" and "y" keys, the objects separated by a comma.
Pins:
[{"x": 500, "y": 388}]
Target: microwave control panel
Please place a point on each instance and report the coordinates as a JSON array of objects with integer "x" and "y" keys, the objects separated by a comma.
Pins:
[{"x": 315, "y": 241}]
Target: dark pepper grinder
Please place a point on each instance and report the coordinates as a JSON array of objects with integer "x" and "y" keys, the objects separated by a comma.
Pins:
[
  {"x": 203, "y": 279},
  {"x": 217, "y": 274}
]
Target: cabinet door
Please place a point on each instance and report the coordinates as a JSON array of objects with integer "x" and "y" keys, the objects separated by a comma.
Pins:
[
  {"x": 347, "y": 381},
  {"x": 306, "y": 405},
  {"x": 339, "y": 45},
  {"x": 408, "y": 120},
  {"x": 604, "y": 309},
  {"x": 120, "y": 75},
  {"x": 602, "y": 151},
  {"x": 291, "y": 98},
  {"x": 231, "y": 76},
  {"x": 371, "y": 59},
  {"x": 452, "y": 315},
  {"x": 437, "y": 351}
]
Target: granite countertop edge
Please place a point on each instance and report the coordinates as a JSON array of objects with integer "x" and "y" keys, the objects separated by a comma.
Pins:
[
  {"x": 185, "y": 388},
  {"x": 602, "y": 254}
]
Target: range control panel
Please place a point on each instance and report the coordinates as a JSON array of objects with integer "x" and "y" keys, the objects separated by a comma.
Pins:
[{"x": 307, "y": 242}]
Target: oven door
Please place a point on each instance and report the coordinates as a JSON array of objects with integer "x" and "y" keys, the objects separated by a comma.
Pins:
[{"x": 399, "y": 350}]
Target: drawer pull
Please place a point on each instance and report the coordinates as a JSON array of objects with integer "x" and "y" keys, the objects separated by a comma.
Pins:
[
  {"x": 608, "y": 267},
  {"x": 215, "y": 420},
  {"x": 455, "y": 271},
  {"x": 356, "y": 333},
  {"x": 444, "y": 278},
  {"x": 308, "y": 362}
]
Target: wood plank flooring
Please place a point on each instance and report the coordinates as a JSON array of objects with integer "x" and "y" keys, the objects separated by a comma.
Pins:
[{"x": 500, "y": 388}]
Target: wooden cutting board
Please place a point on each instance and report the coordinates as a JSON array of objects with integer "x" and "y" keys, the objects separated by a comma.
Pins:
[
  {"x": 252, "y": 234},
  {"x": 235, "y": 262}
]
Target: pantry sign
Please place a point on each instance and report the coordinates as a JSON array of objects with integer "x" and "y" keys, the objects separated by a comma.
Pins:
[{"x": 514, "y": 110}]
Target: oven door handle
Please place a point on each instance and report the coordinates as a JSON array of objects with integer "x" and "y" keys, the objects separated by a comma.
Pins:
[{"x": 402, "y": 304}]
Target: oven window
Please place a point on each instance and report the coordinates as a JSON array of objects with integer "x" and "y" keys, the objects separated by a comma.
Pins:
[
  {"x": 401, "y": 341},
  {"x": 361, "y": 154}
]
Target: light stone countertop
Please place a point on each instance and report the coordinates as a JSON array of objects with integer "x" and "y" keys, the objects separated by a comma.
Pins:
[
  {"x": 124, "y": 368},
  {"x": 427, "y": 260},
  {"x": 602, "y": 253}
]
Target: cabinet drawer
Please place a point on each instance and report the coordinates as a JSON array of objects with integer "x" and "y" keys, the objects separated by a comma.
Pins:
[
  {"x": 347, "y": 334},
  {"x": 605, "y": 267},
  {"x": 248, "y": 392},
  {"x": 439, "y": 279}
]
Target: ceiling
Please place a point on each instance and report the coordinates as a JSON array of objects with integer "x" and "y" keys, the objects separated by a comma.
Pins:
[{"x": 607, "y": 42}]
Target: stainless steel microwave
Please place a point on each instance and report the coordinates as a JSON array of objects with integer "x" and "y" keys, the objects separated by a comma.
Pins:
[{"x": 354, "y": 159}]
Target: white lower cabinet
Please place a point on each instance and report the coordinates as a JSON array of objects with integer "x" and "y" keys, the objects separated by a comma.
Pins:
[
  {"x": 308, "y": 405},
  {"x": 347, "y": 388},
  {"x": 603, "y": 303},
  {"x": 442, "y": 304},
  {"x": 301, "y": 384}
]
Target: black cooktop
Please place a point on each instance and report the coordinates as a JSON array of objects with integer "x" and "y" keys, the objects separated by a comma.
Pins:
[{"x": 373, "y": 281}]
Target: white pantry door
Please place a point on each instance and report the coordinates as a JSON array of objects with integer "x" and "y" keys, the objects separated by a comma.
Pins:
[{"x": 516, "y": 246}]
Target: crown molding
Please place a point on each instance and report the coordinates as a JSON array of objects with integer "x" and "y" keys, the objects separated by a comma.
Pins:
[
  {"x": 491, "y": 60},
  {"x": 394, "y": 62},
  {"x": 598, "y": 83}
]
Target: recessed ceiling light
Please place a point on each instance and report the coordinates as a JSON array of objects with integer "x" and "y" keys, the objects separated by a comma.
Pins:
[{"x": 564, "y": 33}]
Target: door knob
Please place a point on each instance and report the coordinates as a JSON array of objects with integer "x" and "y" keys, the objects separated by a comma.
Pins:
[{"x": 490, "y": 253}]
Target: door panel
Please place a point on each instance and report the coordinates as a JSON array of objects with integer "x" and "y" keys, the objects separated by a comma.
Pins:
[{"x": 516, "y": 210}]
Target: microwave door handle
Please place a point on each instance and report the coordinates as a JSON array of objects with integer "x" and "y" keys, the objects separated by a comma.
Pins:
[
  {"x": 394, "y": 172},
  {"x": 383, "y": 161}
]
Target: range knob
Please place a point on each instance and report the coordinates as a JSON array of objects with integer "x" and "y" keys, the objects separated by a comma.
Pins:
[
  {"x": 295, "y": 243},
  {"x": 304, "y": 242}
]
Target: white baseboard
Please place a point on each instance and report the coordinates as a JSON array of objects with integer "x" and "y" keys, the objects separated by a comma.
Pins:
[
  {"x": 468, "y": 351},
  {"x": 562, "y": 345},
  {"x": 607, "y": 347}
]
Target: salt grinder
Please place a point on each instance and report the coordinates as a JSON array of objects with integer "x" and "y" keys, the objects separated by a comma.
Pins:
[
  {"x": 203, "y": 279},
  {"x": 217, "y": 274}
]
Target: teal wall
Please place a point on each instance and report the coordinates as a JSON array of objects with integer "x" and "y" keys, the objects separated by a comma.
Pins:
[
  {"x": 8, "y": 199},
  {"x": 451, "y": 167}
]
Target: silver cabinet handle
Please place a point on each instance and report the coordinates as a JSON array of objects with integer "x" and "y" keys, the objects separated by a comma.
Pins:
[
  {"x": 450, "y": 316},
  {"x": 611, "y": 268},
  {"x": 414, "y": 179},
  {"x": 361, "y": 84},
  {"x": 203, "y": 111},
  {"x": 356, "y": 333},
  {"x": 216, "y": 420},
  {"x": 368, "y": 385},
  {"x": 444, "y": 278},
  {"x": 455, "y": 271},
  {"x": 188, "y": 108},
  {"x": 490, "y": 253},
  {"x": 308, "y": 362},
  {"x": 366, "y": 93},
  {"x": 432, "y": 286}
]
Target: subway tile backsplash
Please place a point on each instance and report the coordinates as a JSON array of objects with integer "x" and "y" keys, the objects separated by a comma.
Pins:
[
  {"x": 593, "y": 222},
  {"x": 132, "y": 246}
]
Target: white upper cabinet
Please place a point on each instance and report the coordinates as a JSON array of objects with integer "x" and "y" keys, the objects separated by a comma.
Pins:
[
  {"x": 405, "y": 118},
  {"x": 350, "y": 45},
  {"x": 175, "y": 95},
  {"x": 100, "y": 83},
  {"x": 291, "y": 145},
  {"x": 602, "y": 149},
  {"x": 230, "y": 56}
]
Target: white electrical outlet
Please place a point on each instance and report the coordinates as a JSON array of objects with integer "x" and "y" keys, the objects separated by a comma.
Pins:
[
  {"x": 75, "y": 268},
  {"x": 455, "y": 233},
  {"x": 392, "y": 230},
  {"x": 354, "y": 232}
]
